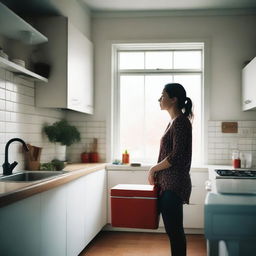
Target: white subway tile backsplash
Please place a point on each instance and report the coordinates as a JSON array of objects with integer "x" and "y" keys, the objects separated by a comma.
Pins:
[
  {"x": 9, "y": 106},
  {"x": 89, "y": 130},
  {"x": 2, "y": 75},
  {"x": 8, "y": 76},
  {"x": 20, "y": 118},
  {"x": 2, "y": 94},
  {"x": 220, "y": 145},
  {"x": 8, "y": 95},
  {"x": 2, "y": 116},
  {"x": 2, "y": 126},
  {"x": 9, "y": 86},
  {"x": 2, "y": 104}
]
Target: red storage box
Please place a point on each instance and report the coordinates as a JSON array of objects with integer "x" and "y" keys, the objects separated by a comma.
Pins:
[{"x": 134, "y": 206}]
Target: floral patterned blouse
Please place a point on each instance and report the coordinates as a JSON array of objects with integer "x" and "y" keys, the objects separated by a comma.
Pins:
[{"x": 176, "y": 145}]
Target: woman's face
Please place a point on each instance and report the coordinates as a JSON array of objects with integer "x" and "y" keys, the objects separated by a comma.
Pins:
[{"x": 165, "y": 101}]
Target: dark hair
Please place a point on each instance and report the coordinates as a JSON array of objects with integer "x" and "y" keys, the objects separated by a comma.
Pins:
[{"x": 184, "y": 103}]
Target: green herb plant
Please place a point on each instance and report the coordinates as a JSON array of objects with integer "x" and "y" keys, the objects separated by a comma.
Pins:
[
  {"x": 54, "y": 165},
  {"x": 62, "y": 132}
]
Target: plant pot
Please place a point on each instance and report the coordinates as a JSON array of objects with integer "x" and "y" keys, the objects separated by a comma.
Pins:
[{"x": 60, "y": 152}]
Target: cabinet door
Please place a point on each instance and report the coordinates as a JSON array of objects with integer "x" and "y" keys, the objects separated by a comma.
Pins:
[
  {"x": 76, "y": 215},
  {"x": 95, "y": 201},
  {"x": 193, "y": 214},
  {"x": 248, "y": 85},
  {"x": 53, "y": 222},
  {"x": 20, "y": 228},
  {"x": 80, "y": 71}
]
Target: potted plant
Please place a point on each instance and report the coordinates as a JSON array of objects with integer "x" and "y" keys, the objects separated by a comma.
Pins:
[{"x": 62, "y": 133}]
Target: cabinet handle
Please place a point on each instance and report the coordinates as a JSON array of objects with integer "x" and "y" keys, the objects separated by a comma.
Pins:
[{"x": 247, "y": 101}]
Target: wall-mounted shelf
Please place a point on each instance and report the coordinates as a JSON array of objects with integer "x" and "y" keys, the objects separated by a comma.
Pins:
[
  {"x": 14, "y": 27},
  {"x": 21, "y": 71}
]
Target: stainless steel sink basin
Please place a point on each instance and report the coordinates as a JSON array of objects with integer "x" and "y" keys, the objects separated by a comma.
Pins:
[{"x": 28, "y": 176}]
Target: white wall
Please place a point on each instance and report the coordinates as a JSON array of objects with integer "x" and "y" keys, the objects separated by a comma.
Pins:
[
  {"x": 229, "y": 41},
  {"x": 77, "y": 12}
]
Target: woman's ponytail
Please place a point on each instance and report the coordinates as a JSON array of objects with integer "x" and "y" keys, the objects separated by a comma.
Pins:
[
  {"x": 188, "y": 108},
  {"x": 184, "y": 102}
]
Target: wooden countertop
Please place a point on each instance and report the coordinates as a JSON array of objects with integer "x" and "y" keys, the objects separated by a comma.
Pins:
[{"x": 11, "y": 191}]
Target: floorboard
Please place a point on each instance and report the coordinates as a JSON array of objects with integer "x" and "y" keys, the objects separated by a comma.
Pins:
[{"x": 109, "y": 243}]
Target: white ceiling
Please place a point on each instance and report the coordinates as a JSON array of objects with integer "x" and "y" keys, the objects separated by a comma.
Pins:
[{"x": 160, "y": 5}]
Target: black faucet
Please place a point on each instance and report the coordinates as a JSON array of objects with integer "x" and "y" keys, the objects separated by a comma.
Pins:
[{"x": 7, "y": 167}]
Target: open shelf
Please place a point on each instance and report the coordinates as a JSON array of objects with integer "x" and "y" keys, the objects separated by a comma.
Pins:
[
  {"x": 14, "y": 27},
  {"x": 21, "y": 71}
]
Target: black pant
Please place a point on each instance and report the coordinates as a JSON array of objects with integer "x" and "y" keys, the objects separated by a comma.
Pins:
[{"x": 171, "y": 208}]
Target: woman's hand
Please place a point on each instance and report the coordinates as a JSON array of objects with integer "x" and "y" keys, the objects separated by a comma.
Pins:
[{"x": 151, "y": 176}]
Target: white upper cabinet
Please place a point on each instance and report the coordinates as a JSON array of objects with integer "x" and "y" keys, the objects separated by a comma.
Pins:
[
  {"x": 249, "y": 86},
  {"x": 70, "y": 55}
]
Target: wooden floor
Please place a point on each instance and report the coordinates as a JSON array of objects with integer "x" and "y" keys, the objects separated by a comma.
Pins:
[{"x": 108, "y": 243}]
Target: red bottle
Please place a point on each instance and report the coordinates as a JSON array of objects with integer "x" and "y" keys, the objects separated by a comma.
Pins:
[
  {"x": 125, "y": 157},
  {"x": 236, "y": 159},
  {"x": 236, "y": 163}
]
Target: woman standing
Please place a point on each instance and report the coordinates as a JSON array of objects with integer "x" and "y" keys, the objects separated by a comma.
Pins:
[{"x": 171, "y": 173}]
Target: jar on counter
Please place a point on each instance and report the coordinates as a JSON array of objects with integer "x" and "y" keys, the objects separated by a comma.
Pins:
[{"x": 236, "y": 161}]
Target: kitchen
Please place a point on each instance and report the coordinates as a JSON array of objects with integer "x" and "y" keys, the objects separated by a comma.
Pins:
[{"x": 229, "y": 39}]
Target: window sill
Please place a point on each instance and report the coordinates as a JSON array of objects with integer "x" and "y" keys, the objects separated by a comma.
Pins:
[{"x": 114, "y": 167}]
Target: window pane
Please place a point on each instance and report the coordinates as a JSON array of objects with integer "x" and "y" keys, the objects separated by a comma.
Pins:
[
  {"x": 131, "y": 60},
  {"x": 142, "y": 123},
  {"x": 132, "y": 115},
  {"x": 192, "y": 85},
  {"x": 187, "y": 59},
  {"x": 158, "y": 60},
  {"x": 156, "y": 120}
]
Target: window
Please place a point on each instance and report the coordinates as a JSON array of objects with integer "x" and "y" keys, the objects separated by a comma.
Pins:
[{"x": 141, "y": 73}]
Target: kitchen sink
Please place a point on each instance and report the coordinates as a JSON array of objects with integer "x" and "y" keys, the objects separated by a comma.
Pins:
[{"x": 28, "y": 176}]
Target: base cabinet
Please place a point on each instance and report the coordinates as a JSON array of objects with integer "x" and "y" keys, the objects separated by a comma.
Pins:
[
  {"x": 76, "y": 214},
  {"x": 96, "y": 204},
  {"x": 20, "y": 228},
  {"x": 53, "y": 222},
  {"x": 58, "y": 222},
  {"x": 86, "y": 210}
]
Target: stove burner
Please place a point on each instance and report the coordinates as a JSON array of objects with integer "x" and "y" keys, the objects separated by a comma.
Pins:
[{"x": 237, "y": 173}]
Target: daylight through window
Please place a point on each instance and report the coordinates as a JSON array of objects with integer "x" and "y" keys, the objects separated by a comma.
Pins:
[{"x": 141, "y": 75}]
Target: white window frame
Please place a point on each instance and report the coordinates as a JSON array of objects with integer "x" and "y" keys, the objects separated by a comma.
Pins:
[{"x": 115, "y": 120}]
